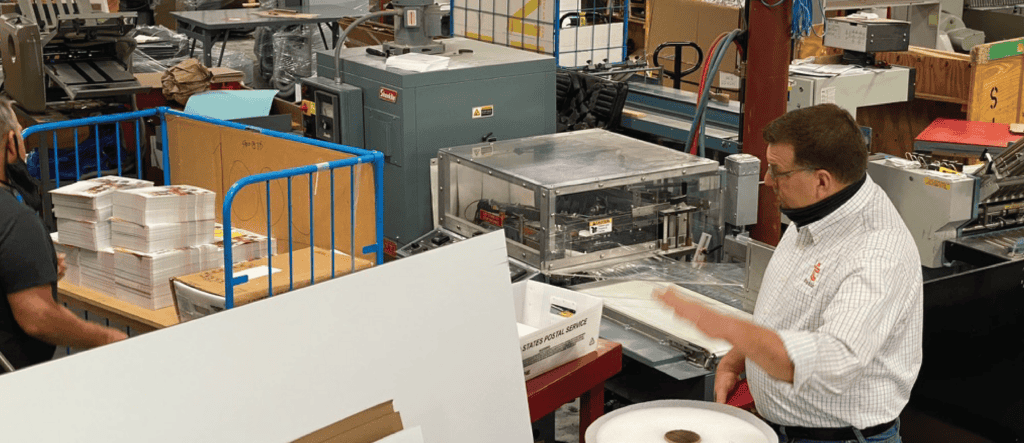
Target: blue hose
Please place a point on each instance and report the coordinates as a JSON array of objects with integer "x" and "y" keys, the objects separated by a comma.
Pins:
[{"x": 699, "y": 119}]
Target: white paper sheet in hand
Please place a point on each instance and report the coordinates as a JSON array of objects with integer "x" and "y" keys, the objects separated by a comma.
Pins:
[
  {"x": 418, "y": 62},
  {"x": 633, "y": 298}
]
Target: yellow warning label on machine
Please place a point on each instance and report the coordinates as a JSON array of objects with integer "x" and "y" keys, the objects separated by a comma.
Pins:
[
  {"x": 936, "y": 183},
  {"x": 483, "y": 111},
  {"x": 601, "y": 226}
]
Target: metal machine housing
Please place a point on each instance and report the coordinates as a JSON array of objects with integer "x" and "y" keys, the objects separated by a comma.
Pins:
[
  {"x": 575, "y": 200},
  {"x": 488, "y": 92}
]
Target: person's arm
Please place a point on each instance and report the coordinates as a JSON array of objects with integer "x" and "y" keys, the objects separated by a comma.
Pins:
[
  {"x": 876, "y": 292},
  {"x": 762, "y": 345},
  {"x": 42, "y": 318},
  {"x": 728, "y": 374}
]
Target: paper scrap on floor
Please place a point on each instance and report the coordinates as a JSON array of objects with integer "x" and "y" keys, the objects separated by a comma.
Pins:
[
  {"x": 230, "y": 105},
  {"x": 418, "y": 62}
]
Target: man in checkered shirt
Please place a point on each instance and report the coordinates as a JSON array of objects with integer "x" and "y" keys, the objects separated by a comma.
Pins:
[{"x": 835, "y": 345}]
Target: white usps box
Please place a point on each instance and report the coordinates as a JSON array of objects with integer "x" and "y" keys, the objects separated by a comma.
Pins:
[{"x": 556, "y": 325}]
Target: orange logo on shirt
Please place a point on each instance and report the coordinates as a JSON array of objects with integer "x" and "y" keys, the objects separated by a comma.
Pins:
[{"x": 816, "y": 271}]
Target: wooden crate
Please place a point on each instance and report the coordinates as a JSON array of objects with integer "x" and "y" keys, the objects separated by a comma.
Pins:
[{"x": 996, "y": 80}]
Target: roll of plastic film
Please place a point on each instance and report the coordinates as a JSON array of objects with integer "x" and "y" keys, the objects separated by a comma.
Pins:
[{"x": 650, "y": 423}]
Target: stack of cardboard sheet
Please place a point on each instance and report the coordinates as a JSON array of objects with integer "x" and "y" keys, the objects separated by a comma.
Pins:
[{"x": 83, "y": 210}]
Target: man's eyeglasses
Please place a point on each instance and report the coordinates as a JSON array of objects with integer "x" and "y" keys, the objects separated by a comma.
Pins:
[{"x": 777, "y": 175}]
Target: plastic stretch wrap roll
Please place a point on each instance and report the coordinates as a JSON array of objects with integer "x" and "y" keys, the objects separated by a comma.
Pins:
[{"x": 649, "y": 422}]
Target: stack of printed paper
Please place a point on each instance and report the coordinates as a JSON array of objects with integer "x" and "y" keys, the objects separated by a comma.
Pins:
[
  {"x": 164, "y": 204},
  {"x": 97, "y": 270},
  {"x": 83, "y": 210},
  {"x": 73, "y": 273},
  {"x": 162, "y": 236},
  {"x": 160, "y": 233},
  {"x": 245, "y": 245},
  {"x": 143, "y": 278}
]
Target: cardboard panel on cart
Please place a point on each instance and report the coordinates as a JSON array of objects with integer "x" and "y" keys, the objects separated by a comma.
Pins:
[
  {"x": 562, "y": 325},
  {"x": 215, "y": 157},
  {"x": 246, "y": 153}
]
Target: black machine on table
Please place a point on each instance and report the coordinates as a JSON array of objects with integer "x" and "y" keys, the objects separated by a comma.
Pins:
[{"x": 63, "y": 50}]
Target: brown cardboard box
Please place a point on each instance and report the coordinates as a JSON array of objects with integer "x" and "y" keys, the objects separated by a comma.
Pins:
[
  {"x": 703, "y": 22},
  {"x": 297, "y": 267},
  {"x": 367, "y": 426},
  {"x": 215, "y": 157}
]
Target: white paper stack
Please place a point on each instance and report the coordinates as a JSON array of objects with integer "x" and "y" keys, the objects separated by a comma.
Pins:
[
  {"x": 84, "y": 234},
  {"x": 164, "y": 204},
  {"x": 245, "y": 245},
  {"x": 84, "y": 208},
  {"x": 73, "y": 273},
  {"x": 143, "y": 278},
  {"x": 160, "y": 233},
  {"x": 97, "y": 270},
  {"x": 160, "y": 237}
]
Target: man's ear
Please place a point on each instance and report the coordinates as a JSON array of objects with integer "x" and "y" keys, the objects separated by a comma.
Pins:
[{"x": 824, "y": 182}]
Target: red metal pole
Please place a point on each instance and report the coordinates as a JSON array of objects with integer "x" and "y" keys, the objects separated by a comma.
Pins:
[{"x": 765, "y": 93}]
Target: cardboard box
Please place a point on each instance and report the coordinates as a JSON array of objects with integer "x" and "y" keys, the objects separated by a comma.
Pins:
[
  {"x": 369, "y": 425},
  {"x": 561, "y": 325},
  {"x": 202, "y": 293},
  {"x": 704, "y": 22},
  {"x": 215, "y": 157}
]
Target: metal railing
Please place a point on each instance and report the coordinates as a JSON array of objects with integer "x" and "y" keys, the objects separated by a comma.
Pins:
[{"x": 102, "y": 125}]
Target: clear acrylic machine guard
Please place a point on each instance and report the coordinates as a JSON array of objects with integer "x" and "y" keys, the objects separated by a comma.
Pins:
[{"x": 580, "y": 199}]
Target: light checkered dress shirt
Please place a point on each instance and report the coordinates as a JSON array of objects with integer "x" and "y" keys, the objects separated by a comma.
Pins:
[{"x": 845, "y": 294}]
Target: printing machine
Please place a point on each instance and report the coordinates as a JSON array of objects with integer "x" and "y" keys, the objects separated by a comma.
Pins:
[
  {"x": 63, "y": 50},
  {"x": 968, "y": 222},
  {"x": 615, "y": 217}
]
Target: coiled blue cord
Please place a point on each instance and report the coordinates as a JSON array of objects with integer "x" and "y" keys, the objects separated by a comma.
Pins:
[{"x": 803, "y": 18}]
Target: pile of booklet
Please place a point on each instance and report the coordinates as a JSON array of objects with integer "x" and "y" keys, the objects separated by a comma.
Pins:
[
  {"x": 159, "y": 233},
  {"x": 73, "y": 272},
  {"x": 245, "y": 245},
  {"x": 127, "y": 239},
  {"x": 97, "y": 270},
  {"x": 143, "y": 278},
  {"x": 83, "y": 210},
  {"x": 164, "y": 204}
]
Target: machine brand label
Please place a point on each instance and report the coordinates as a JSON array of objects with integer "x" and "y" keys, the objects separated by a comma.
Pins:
[
  {"x": 492, "y": 218},
  {"x": 390, "y": 248},
  {"x": 389, "y": 95},
  {"x": 601, "y": 226},
  {"x": 483, "y": 111},
  {"x": 936, "y": 183}
]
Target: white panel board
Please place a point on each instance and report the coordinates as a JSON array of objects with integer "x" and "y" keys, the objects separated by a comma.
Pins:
[{"x": 435, "y": 332}]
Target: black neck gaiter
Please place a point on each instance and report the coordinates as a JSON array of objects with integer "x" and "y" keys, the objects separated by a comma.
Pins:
[{"x": 812, "y": 213}]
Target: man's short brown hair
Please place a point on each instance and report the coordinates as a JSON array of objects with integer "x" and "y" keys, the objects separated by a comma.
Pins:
[{"x": 823, "y": 137}]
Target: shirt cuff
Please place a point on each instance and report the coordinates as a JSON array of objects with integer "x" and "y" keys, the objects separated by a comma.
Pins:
[{"x": 802, "y": 349}]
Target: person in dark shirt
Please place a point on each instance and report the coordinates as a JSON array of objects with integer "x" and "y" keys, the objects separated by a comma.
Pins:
[{"x": 31, "y": 321}]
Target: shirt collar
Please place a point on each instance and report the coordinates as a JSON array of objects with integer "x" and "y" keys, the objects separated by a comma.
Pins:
[{"x": 852, "y": 207}]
